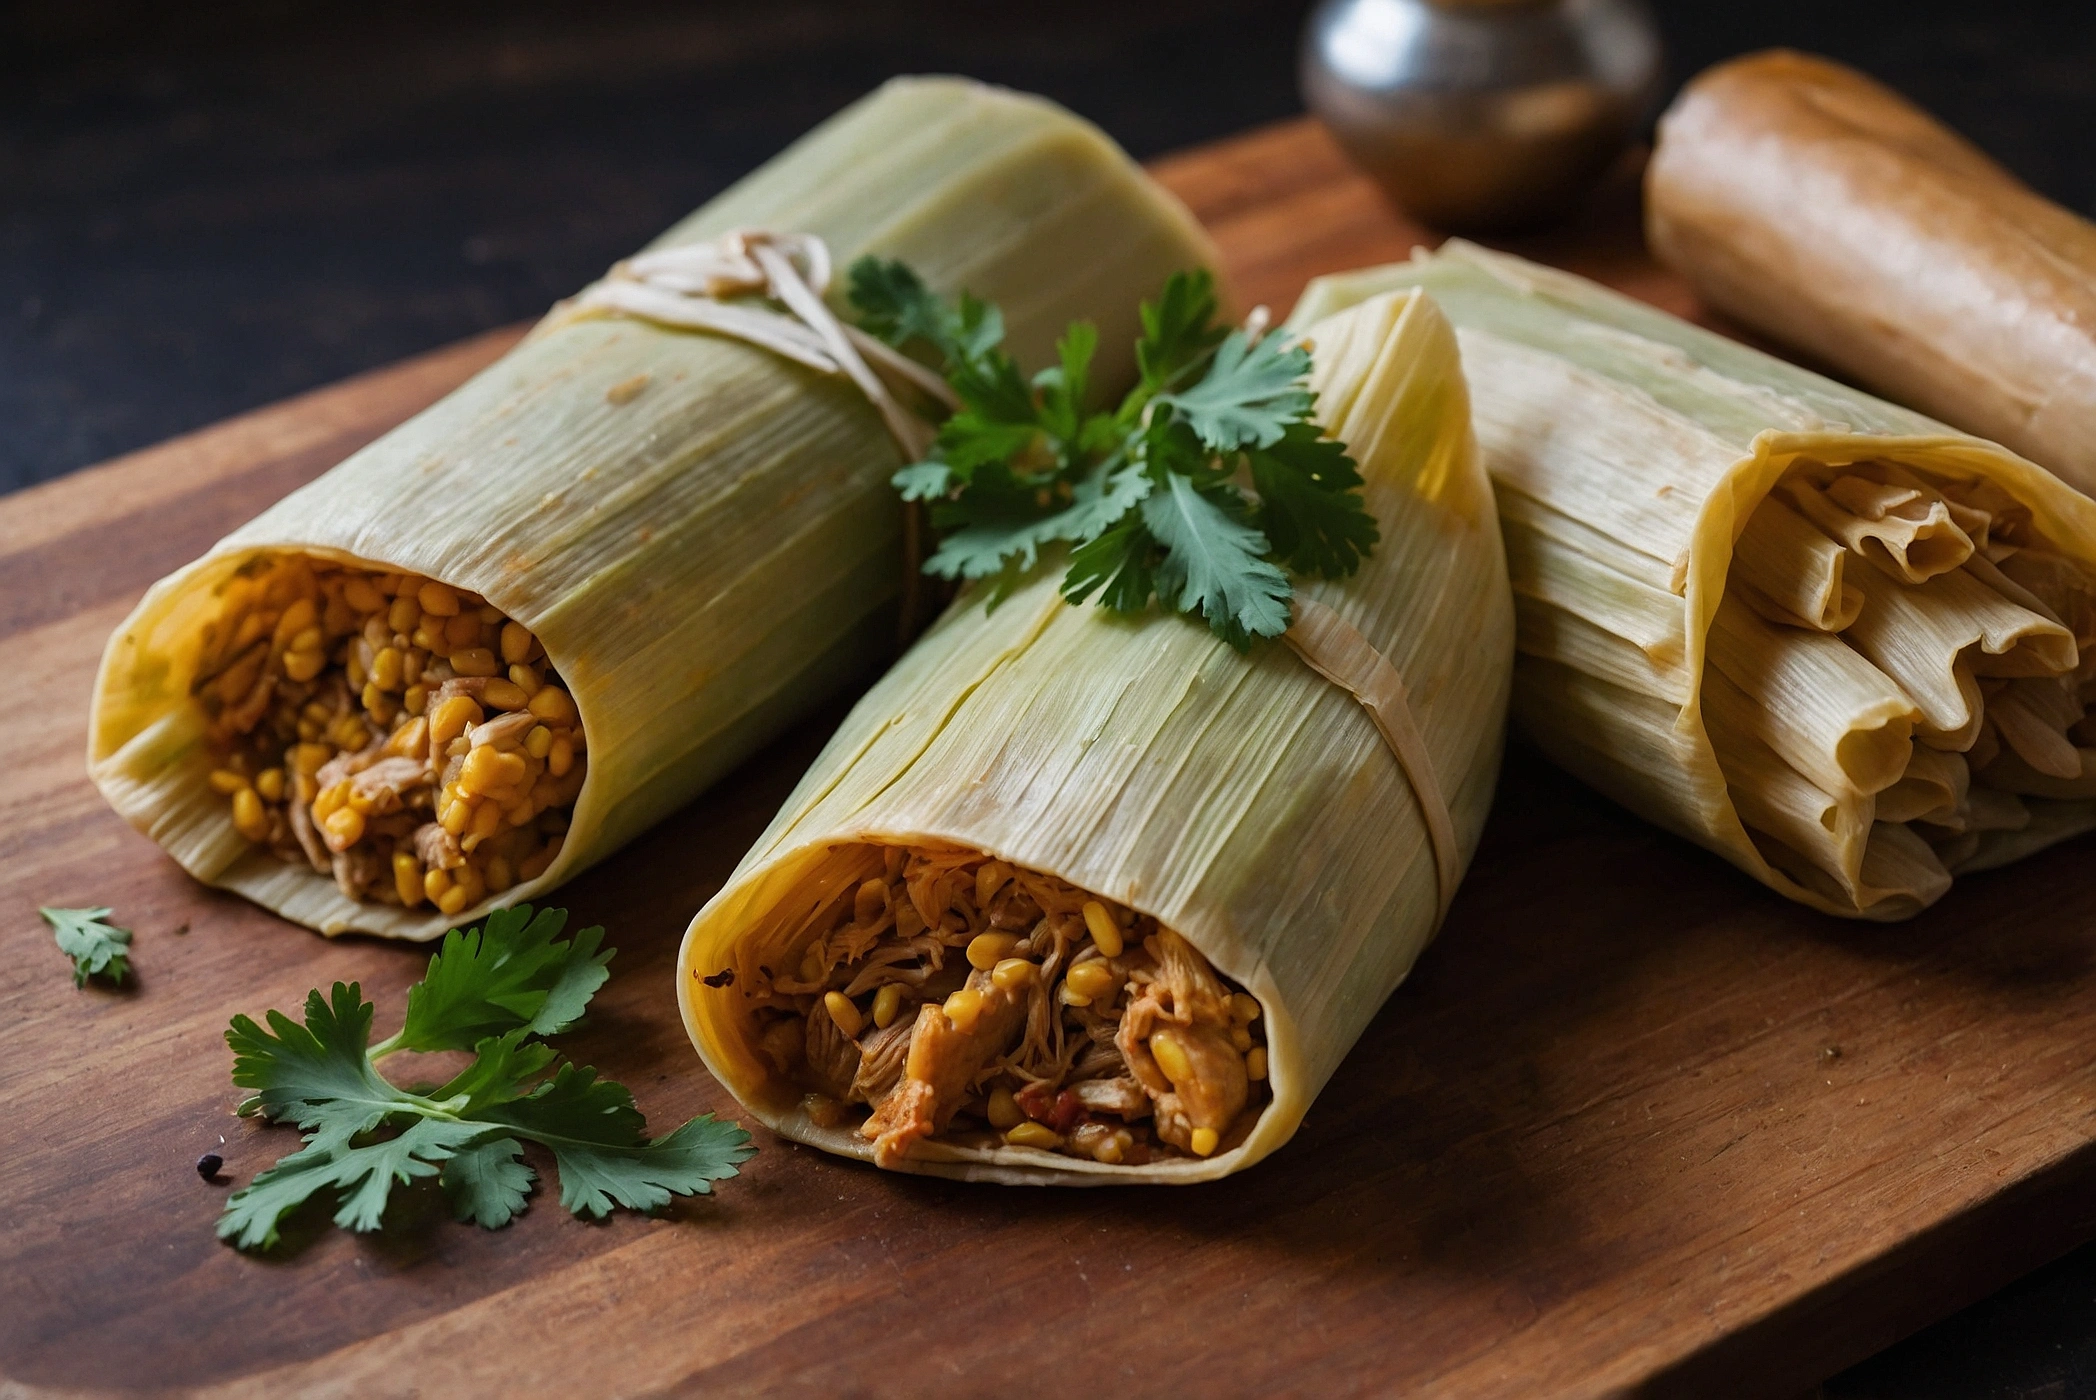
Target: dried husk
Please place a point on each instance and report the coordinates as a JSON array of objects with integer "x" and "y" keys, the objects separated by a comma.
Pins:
[
  {"x": 1243, "y": 800},
  {"x": 708, "y": 559},
  {"x": 1628, "y": 450}
]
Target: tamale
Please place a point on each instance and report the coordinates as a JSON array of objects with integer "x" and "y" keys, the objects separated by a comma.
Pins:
[
  {"x": 1826, "y": 211},
  {"x": 1835, "y": 642},
  {"x": 1078, "y": 898},
  {"x": 490, "y": 647}
]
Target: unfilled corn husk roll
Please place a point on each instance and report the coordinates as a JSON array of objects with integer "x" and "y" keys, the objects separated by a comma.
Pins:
[
  {"x": 1826, "y": 211},
  {"x": 1075, "y": 898},
  {"x": 490, "y": 647},
  {"x": 1837, "y": 643}
]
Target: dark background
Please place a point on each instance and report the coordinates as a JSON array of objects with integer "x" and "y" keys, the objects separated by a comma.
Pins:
[{"x": 207, "y": 207}]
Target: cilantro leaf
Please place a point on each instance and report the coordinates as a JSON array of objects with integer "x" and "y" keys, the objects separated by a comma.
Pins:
[
  {"x": 1177, "y": 334},
  {"x": 1064, "y": 385},
  {"x": 365, "y": 1135},
  {"x": 1214, "y": 564},
  {"x": 1309, "y": 506},
  {"x": 96, "y": 948},
  {"x": 599, "y": 1143},
  {"x": 1249, "y": 396},
  {"x": 1120, "y": 566},
  {"x": 893, "y": 302},
  {"x": 509, "y": 973}
]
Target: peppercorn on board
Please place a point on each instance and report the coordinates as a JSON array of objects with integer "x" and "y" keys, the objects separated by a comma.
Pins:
[{"x": 1633, "y": 1121}]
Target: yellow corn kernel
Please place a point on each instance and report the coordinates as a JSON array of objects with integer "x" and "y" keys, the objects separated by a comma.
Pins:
[
  {"x": 435, "y": 883},
  {"x": 812, "y": 966},
  {"x": 459, "y": 747},
  {"x": 1171, "y": 1057},
  {"x": 385, "y": 668},
  {"x": 306, "y": 759},
  {"x": 407, "y": 878},
  {"x": 989, "y": 878},
  {"x": 467, "y": 880},
  {"x": 429, "y": 635},
  {"x": 1004, "y": 1109},
  {"x": 887, "y": 1005},
  {"x": 1202, "y": 1141},
  {"x": 487, "y": 820},
  {"x": 560, "y": 756},
  {"x": 250, "y": 819},
  {"x": 844, "y": 1012},
  {"x": 526, "y": 678},
  {"x": 437, "y": 600},
  {"x": 488, "y": 769},
  {"x": 525, "y": 809},
  {"x": 1112, "y": 1149},
  {"x": 415, "y": 699},
  {"x": 359, "y": 801},
  {"x": 1240, "y": 1038},
  {"x": 500, "y": 875},
  {"x": 373, "y": 699},
  {"x": 455, "y": 817},
  {"x": 411, "y": 740},
  {"x": 296, "y": 619},
  {"x": 270, "y": 783},
  {"x": 1092, "y": 979},
  {"x": 1255, "y": 1063},
  {"x": 307, "y": 639},
  {"x": 986, "y": 950},
  {"x": 363, "y": 595},
  {"x": 516, "y": 642},
  {"x": 1012, "y": 974},
  {"x": 1105, "y": 932},
  {"x": 405, "y": 615},
  {"x": 963, "y": 1007},
  {"x": 869, "y": 901},
  {"x": 353, "y": 671},
  {"x": 453, "y": 900},
  {"x": 1244, "y": 1008},
  {"x": 505, "y": 695},
  {"x": 345, "y": 827},
  {"x": 461, "y": 631},
  {"x": 1070, "y": 998},
  {"x": 473, "y": 661},
  {"x": 551, "y": 704},
  {"x": 226, "y": 782},
  {"x": 348, "y": 732},
  {"x": 304, "y": 788},
  {"x": 302, "y": 666},
  {"x": 539, "y": 742},
  {"x": 330, "y": 800},
  {"x": 450, "y": 718},
  {"x": 1033, "y": 1135}
]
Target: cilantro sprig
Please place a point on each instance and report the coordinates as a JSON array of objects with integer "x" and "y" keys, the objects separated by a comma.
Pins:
[
  {"x": 492, "y": 990},
  {"x": 1205, "y": 488},
  {"x": 96, "y": 948}
]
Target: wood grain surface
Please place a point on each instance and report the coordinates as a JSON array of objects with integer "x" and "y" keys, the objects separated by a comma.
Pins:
[{"x": 1634, "y": 1123}]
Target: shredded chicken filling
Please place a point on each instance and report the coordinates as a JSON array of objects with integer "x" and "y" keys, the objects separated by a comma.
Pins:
[
  {"x": 953, "y": 996},
  {"x": 398, "y": 735},
  {"x": 1899, "y": 665}
]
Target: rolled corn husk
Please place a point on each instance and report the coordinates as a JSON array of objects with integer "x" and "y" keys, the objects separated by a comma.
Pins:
[
  {"x": 1814, "y": 710},
  {"x": 1244, "y": 801},
  {"x": 699, "y": 532},
  {"x": 1827, "y": 212}
]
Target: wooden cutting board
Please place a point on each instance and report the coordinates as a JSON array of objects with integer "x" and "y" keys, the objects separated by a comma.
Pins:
[{"x": 1633, "y": 1123}]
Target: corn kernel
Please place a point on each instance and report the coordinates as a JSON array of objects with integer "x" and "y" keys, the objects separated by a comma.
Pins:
[
  {"x": 435, "y": 883},
  {"x": 385, "y": 668},
  {"x": 1012, "y": 974},
  {"x": 516, "y": 642},
  {"x": 526, "y": 678},
  {"x": 437, "y": 600},
  {"x": 473, "y": 661},
  {"x": 453, "y": 900},
  {"x": 1038, "y": 1135},
  {"x": 226, "y": 782},
  {"x": 887, "y": 1005},
  {"x": 1070, "y": 998},
  {"x": 989, "y": 878},
  {"x": 407, "y": 878},
  {"x": 505, "y": 695},
  {"x": 1004, "y": 1109},
  {"x": 1240, "y": 1039},
  {"x": 560, "y": 756},
  {"x": 552, "y": 704},
  {"x": 330, "y": 800},
  {"x": 500, "y": 874},
  {"x": 360, "y": 801},
  {"x": 487, "y": 820},
  {"x": 963, "y": 1007},
  {"x": 302, "y": 666},
  {"x": 1255, "y": 1063},
  {"x": 870, "y": 901},
  {"x": 373, "y": 697},
  {"x": 1171, "y": 1057},
  {"x": 539, "y": 742},
  {"x": 1092, "y": 979},
  {"x": 405, "y": 615},
  {"x": 462, "y": 631},
  {"x": 1244, "y": 1008},
  {"x": 986, "y": 950},
  {"x": 415, "y": 700},
  {"x": 489, "y": 769},
  {"x": 250, "y": 819},
  {"x": 429, "y": 635},
  {"x": 845, "y": 1013},
  {"x": 307, "y": 759},
  {"x": 296, "y": 619},
  {"x": 1112, "y": 1149},
  {"x": 270, "y": 783},
  {"x": 1203, "y": 1141},
  {"x": 307, "y": 639},
  {"x": 450, "y": 718},
  {"x": 344, "y": 827},
  {"x": 411, "y": 740},
  {"x": 1105, "y": 932},
  {"x": 454, "y": 818},
  {"x": 361, "y": 594}
]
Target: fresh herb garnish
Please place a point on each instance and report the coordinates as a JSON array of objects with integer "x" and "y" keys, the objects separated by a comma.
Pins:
[
  {"x": 97, "y": 949},
  {"x": 491, "y": 990},
  {"x": 1205, "y": 488}
]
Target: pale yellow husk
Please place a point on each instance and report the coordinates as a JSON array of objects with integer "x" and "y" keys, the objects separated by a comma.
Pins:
[
  {"x": 708, "y": 559},
  {"x": 1628, "y": 450},
  {"x": 1243, "y": 800}
]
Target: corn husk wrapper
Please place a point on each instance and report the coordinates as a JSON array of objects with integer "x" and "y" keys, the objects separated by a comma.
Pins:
[
  {"x": 708, "y": 559},
  {"x": 1825, "y": 210},
  {"x": 1243, "y": 800},
  {"x": 1628, "y": 450}
]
